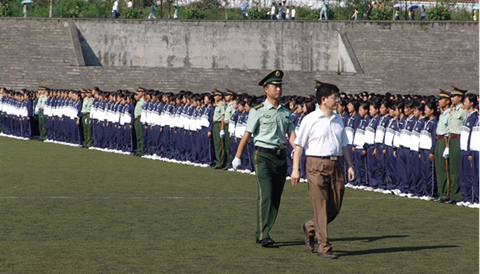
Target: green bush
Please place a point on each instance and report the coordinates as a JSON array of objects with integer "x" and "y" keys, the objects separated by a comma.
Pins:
[
  {"x": 383, "y": 14},
  {"x": 258, "y": 14},
  {"x": 132, "y": 13},
  {"x": 193, "y": 13},
  {"x": 439, "y": 13},
  {"x": 6, "y": 10}
]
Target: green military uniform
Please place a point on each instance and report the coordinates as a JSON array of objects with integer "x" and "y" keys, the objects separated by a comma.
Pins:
[
  {"x": 229, "y": 110},
  {"x": 441, "y": 164},
  {"x": 458, "y": 114},
  {"x": 42, "y": 99},
  {"x": 218, "y": 142},
  {"x": 85, "y": 120},
  {"x": 138, "y": 125},
  {"x": 269, "y": 126}
]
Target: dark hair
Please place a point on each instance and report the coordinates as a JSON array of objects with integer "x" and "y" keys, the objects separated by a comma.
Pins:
[
  {"x": 356, "y": 104},
  {"x": 365, "y": 105},
  {"x": 387, "y": 103},
  {"x": 399, "y": 105},
  {"x": 472, "y": 98},
  {"x": 310, "y": 106},
  {"x": 325, "y": 90},
  {"x": 376, "y": 103},
  {"x": 433, "y": 106},
  {"x": 418, "y": 105}
]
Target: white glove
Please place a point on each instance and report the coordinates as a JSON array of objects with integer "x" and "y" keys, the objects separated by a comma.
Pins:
[
  {"x": 236, "y": 163},
  {"x": 222, "y": 133},
  {"x": 291, "y": 155},
  {"x": 445, "y": 153}
]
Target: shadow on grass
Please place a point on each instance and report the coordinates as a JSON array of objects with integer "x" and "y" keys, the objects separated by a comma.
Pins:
[
  {"x": 390, "y": 250},
  {"x": 368, "y": 239}
]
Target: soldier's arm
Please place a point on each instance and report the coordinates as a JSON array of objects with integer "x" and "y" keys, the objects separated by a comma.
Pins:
[{"x": 243, "y": 144}]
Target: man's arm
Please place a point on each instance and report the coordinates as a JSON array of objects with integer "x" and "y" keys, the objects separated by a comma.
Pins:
[
  {"x": 243, "y": 144},
  {"x": 346, "y": 157},
  {"x": 297, "y": 155},
  {"x": 291, "y": 138}
]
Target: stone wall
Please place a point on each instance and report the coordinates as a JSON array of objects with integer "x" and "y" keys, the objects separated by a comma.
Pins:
[{"x": 171, "y": 55}]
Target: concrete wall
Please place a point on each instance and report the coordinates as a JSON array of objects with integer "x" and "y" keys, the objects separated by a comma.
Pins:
[{"x": 398, "y": 57}]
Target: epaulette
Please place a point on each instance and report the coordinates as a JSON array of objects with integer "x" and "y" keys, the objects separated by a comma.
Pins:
[
  {"x": 463, "y": 107},
  {"x": 258, "y": 106}
]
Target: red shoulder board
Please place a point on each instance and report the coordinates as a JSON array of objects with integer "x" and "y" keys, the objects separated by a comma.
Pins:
[{"x": 463, "y": 107}]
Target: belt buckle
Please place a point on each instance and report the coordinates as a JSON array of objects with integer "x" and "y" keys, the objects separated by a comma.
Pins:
[
  {"x": 277, "y": 152},
  {"x": 333, "y": 158}
]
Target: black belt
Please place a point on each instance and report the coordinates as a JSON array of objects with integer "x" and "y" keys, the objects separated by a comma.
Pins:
[
  {"x": 331, "y": 158},
  {"x": 274, "y": 151}
]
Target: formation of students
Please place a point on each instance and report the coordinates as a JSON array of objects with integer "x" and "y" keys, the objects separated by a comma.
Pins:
[{"x": 424, "y": 147}]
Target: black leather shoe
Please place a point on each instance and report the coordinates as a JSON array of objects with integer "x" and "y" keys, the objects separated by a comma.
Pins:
[
  {"x": 217, "y": 167},
  {"x": 327, "y": 255},
  {"x": 267, "y": 242},
  {"x": 309, "y": 240}
]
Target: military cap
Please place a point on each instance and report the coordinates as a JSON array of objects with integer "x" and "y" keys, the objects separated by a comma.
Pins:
[
  {"x": 42, "y": 88},
  {"x": 140, "y": 89},
  {"x": 217, "y": 92},
  {"x": 275, "y": 77},
  {"x": 457, "y": 91},
  {"x": 317, "y": 82},
  {"x": 84, "y": 90},
  {"x": 443, "y": 94},
  {"x": 230, "y": 92}
]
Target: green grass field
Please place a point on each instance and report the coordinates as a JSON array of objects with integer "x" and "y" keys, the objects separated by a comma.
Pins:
[{"x": 72, "y": 210}]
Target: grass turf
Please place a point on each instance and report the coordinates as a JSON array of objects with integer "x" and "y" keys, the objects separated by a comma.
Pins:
[{"x": 72, "y": 210}]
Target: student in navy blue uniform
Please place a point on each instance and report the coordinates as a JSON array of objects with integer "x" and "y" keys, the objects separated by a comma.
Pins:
[
  {"x": 390, "y": 145},
  {"x": 232, "y": 127},
  {"x": 359, "y": 152},
  {"x": 294, "y": 104},
  {"x": 352, "y": 124},
  {"x": 474, "y": 149},
  {"x": 403, "y": 151},
  {"x": 209, "y": 153},
  {"x": 379, "y": 151},
  {"x": 428, "y": 137},
  {"x": 414, "y": 167},
  {"x": 369, "y": 139},
  {"x": 467, "y": 170},
  {"x": 240, "y": 130}
]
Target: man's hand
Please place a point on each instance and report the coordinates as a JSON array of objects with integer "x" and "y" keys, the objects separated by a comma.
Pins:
[
  {"x": 236, "y": 163},
  {"x": 295, "y": 177},
  {"x": 446, "y": 153},
  {"x": 351, "y": 173},
  {"x": 222, "y": 133},
  {"x": 209, "y": 134},
  {"x": 431, "y": 157}
]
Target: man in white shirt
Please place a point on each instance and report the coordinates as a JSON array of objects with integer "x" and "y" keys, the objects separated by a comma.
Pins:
[
  {"x": 115, "y": 11},
  {"x": 322, "y": 136}
]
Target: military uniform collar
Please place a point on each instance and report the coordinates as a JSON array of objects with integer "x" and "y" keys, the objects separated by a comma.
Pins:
[
  {"x": 269, "y": 105},
  {"x": 457, "y": 107}
]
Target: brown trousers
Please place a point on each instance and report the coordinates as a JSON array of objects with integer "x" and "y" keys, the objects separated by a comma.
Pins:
[{"x": 326, "y": 188}]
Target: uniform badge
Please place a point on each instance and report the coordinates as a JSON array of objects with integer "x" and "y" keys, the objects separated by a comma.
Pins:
[
  {"x": 267, "y": 116},
  {"x": 277, "y": 73}
]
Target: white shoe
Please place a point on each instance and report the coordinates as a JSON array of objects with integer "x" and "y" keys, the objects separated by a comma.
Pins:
[
  {"x": 231, "y": 169},
  {"x": 247, "y": 171},
  {"x": 462, "y": 203},
  {"x": 426, "y": 198},
  {"x": 348, "y": 185},
  {"x": 288, "y": 178},
  {"x": 369, "y": 188},
  {"x": 361, "y": 187},
  {"x": 474, "y": 205},
  {"x": 253, "y": 173},
  {"x": 386, "y": 191},
  {"x": 409, "y": 195},
  {"x": 402, "y": 195}
]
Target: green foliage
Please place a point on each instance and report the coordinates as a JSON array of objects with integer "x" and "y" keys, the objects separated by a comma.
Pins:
[
  {"x": 307, "y": 14},
  {"x": 258, "y": 14},
  {"x": 132, "y": 13},
  {"x": 6, "y": 10},
  {"x": 193, "y": 13},
  {"x": 382, "y": 14},
  {"x": 439, "y": 13}
]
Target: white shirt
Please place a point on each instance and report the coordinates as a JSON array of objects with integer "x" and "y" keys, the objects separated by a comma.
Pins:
[
  {"x": 130, "y": 5},
  {"x": 321, "y": 136},
  {"x": 115, "y": 6},
  {"x": 293, "y": 13}
]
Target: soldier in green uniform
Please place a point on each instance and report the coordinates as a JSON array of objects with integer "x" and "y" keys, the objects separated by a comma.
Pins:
[
  {"x": 42, "y": 98},
  {"x": 441, "y": 164},
  {"x": 458, "y": 114},
  {"x": 85, "y": 118},
  {"x": 218, "y": 135},
  {"x": 137, "y": 124},
  {"x": 229, "y": 110},
  {"x": 270, "y": 123}
]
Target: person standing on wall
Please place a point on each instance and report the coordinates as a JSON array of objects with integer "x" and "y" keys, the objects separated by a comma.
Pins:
[
  {"x": 322, "y": 135},
  {"x": 270, "y": 123}
]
